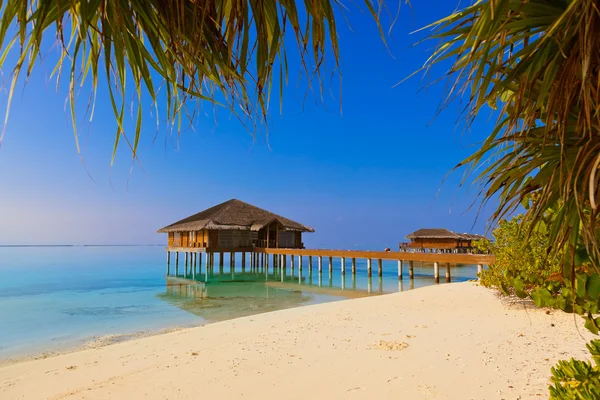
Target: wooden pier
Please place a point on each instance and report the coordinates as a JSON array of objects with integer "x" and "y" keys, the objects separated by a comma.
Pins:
[
  {"x": 294, "y": 258},
  {"x": 266, "y": 239}
]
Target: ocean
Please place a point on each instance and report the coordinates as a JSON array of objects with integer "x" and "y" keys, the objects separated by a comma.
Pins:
[{"x": 58, "y": 298}]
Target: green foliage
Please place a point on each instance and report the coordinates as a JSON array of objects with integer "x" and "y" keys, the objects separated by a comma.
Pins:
[
  {"x": 521, "y": 260},
  {"x": 577, "y": 380},
  {"x": 221, "y": 51},
  {"x": 537, "y": 64}
]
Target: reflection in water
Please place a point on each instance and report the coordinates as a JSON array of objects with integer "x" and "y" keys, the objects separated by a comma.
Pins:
[{"x": 224, "y": 292}]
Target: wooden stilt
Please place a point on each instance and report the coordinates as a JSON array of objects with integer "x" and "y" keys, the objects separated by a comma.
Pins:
[
  {"x": 330, "y": 265},
  {"x": 411, "y": 269},
  {"x": 220, "y": 259},
  {"x": 448, "y": 272},
  {"x": 284, "y": 261},
  {"x": 231, "y": 260},
  {"x": 369, "y": 268},
  {"x": 436, "y": 272},
  {"x": 292, "y": 264},
  {"x": 206, "y": 256},
  {"x": 300, "y": 264},
  {"x": 186, "y": 260},
  {"x": 343, "y": 261},
  {"x": 320, "y": 264},
  {"x": 243, "y": 260},
  {"x": 380, "y": 267},
  {"x": 310, "y": 263},
  {"x": 400, "y": 265},
  {"x": 353, "y": 266}
]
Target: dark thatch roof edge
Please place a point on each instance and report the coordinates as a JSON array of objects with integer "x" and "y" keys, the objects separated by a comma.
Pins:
[
  {"x": 440, "y": 233},
  {"x": 233, "y": 215}
]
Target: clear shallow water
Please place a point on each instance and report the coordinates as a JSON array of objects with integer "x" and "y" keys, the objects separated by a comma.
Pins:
[{"x": 53, "y": 298}]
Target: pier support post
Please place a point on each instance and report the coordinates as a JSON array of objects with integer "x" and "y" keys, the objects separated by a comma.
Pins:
[
  {"x": 369, "y": 268},
  {"x": 300, "y": 264},
  {"x": 343, "y": 261},
  {"x": 309, "y": 263},
  {"x": 448, "y": 272},
  {"x": 320, "y": 261},
  {"x": 284, "y": 261},
  {"x": 353, "y": 266},
  {"x": 292, "y": 264},
  {"x": 380, "y": 267},
  {"x": 400, "y": 265},
  {"x": 243, "y": 260},
  {"x": 330, "y": 265},
  {"x": 479, "y": 270},
  {"x": 168, "y": 262},
  {"x": 231, "y": 260},
  {"x": 436, "y": 272},
  {"x": 220, "y": 259},
  {"x": 206, "y": 258},
  {"x": 186, "y": 260},
  {"x": 411, "y": 269}
]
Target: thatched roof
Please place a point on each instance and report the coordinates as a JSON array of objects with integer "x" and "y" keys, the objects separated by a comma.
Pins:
[
  {"x": 440, "y": 233},
  {"x": 234, "y": 214}
]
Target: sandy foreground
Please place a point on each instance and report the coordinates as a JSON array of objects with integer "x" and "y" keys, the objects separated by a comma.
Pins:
[{"x": 456, "y": 341}]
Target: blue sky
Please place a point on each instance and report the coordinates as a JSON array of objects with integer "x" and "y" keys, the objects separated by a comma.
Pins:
[{"x": 363, "y": 178}]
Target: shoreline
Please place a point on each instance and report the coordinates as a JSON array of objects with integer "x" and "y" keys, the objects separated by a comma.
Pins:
[
  {"x": 447, "y": 341},
  {"x": 97, "y": 341},
  {"x": 90, "y": 342}
]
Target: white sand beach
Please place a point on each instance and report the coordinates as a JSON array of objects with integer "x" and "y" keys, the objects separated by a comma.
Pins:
[{"x": 456, "y": 341}]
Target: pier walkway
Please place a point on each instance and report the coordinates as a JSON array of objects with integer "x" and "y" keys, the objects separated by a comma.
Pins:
[{"x": 280, "y": 258}]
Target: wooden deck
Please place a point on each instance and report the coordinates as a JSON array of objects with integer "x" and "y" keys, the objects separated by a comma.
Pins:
[{"x": 281, "y": 258}]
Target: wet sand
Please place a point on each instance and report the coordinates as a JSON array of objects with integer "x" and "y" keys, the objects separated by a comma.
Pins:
[{"x": 457, "y": 341}]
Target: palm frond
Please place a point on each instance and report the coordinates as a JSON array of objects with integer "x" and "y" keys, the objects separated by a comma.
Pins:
[
  {"x": 220, "y": 51},
  {"x": 539, "y": 61}
]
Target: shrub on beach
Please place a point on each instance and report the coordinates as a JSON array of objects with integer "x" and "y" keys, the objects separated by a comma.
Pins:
[
  {"x": 522, "y": 261},
  {"x": 575, "y": 379}
]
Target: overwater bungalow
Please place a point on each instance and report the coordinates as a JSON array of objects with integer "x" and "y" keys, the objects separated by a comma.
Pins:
[
  {"x": 235, "y": 225},
  {"x": 439, "y": 241}
]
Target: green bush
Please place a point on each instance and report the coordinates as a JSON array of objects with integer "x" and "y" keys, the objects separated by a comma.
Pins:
[
  {"x": 577, "y": 380},
  {"x": 521, "y": 262}
]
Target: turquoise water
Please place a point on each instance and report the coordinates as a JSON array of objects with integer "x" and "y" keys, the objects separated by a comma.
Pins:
[{"x": 55, "y": 298}]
